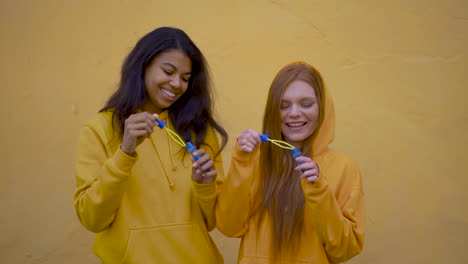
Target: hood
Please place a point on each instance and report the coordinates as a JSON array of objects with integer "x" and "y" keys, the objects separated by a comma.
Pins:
[{"x": 326, "y": 129}]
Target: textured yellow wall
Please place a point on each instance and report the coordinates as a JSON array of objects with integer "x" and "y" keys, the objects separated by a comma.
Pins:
[{"x": 397, "y": 70}]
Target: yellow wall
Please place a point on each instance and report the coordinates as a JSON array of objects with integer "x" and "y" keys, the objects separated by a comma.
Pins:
[{"x": 397, "y": 70}]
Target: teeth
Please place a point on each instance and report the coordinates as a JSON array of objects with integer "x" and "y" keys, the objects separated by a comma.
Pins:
[
  {"x": 295, "y": 124},
  {"x": 168, "y": 92}
]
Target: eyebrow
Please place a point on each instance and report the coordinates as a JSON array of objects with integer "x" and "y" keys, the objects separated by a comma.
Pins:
[
  {"x": 302, "y": 99},
  {"x": 175, "y": 68}
]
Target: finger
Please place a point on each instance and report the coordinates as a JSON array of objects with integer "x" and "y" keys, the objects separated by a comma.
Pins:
[
  {"x": 147, "y": 118},
  {"x": 252, "y": 136},
  {"x": 207, "y": 165},
  {"x": 246, "y": 148},
  {"x": 142, "y": 126},
  {"x": 304, "y": 159},
  {"x": 246, "y": 133},
  {"x": 202, "y": 160},
  {"x": 209, "y": 174},
  {"x": 139, "y": 133},
  {"x": 199, "y": 160},
  {"x": 242, "y": 138},
  {"x": 312, "y": 179},
  {"x": 256, "y": 136},
  {"x": 309, "y": 173},
  {"x": 199, "y": 152},
  {"x": 196, "y": 175},
  {"x": 143, "y": 117},
  {"x": 136, "y": 117},
  {"x": 306, "y": 166},
  {"x": 246, "y": 142},
  {"x": 252, "y": 139},
  {"x": 150, "y": 120}
]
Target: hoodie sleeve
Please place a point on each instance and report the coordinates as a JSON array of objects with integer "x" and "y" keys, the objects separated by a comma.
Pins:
[
  {"x": 341, "y": 216},
  {"x": 206, "y": 193},
  {"x": 234, "y": 198},
  {"x": 100, "y": 180}
]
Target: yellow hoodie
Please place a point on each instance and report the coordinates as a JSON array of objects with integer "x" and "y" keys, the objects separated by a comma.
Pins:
[
  {"x": 334, "y": 216},
  {"x": 129, "y": 202}
]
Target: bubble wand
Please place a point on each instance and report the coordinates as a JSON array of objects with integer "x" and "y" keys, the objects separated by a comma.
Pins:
[
  {"x": 282, "y": 144},
  {"x": 188, "y": 145}
]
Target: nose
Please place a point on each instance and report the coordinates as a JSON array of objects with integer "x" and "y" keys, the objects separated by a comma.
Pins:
[
  {"x": 175, "y": 81},
  {"x": 294, "y": 111}
]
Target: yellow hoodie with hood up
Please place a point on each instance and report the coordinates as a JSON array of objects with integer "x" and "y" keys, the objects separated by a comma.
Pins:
[
  {"x": 144, "y": 209},
  {"x": 333, "y": 229}
]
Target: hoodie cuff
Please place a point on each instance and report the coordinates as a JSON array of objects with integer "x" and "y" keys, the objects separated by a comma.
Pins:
[
  {"x": 122, "y": 164},
  {"x": 316, "y": 187},
  {"x": 242, "y": 155},
  {"x": 204, "y": 191}
]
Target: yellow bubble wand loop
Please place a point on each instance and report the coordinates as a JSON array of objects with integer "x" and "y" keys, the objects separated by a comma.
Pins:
[
  {"x": 175, "y": 137},
  {"x": 282, "y": 144},
  {"x": 172, "y": 134},
  {"x": 189, "y": 146}
]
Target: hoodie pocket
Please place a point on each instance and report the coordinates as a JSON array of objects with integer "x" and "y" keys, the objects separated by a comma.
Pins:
[{"x": 182, "y": 243}]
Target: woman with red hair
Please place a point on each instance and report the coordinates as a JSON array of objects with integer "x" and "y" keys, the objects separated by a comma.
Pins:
[{"x": 308, "y": 209}]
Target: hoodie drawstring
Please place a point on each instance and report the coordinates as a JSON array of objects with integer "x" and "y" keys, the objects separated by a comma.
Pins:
[
  {"x": 174, "y": 168},
  {"x": 169, "y": 180}
]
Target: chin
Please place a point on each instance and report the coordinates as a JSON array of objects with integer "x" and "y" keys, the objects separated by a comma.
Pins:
[
  {"x": 297, "y": 140},
  {"x": 163, "y": 105}
]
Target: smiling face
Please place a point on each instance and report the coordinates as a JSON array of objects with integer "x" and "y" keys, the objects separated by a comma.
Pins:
[
  {"x": 166, "y": 79},
  {"x": 299, "y": 110}
]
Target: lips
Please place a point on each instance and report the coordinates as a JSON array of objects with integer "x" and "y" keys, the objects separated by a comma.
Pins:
[
  {"x": 296, "y": 126},
  {"x": 168, "y": 94}
]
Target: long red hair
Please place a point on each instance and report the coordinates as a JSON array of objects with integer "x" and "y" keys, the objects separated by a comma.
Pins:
[{"x": 279, "y": 192}]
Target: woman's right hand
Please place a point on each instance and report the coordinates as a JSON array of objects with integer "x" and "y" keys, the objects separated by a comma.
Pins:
[
  {"x": 248, "y": 140},
  {"x": 137, "y": 128}
]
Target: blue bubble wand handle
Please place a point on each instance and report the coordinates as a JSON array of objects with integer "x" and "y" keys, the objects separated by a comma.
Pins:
[
  {"x": 191, "y": 149},
  {"x": 297, "y": 153}
]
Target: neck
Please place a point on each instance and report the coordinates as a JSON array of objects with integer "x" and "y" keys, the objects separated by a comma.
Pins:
[
  {"x": 297, "y": 145},
  {"x": 151, "y": 108}
]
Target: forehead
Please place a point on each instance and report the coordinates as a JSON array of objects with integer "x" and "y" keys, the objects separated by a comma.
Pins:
[
  {"x": 298, "y": 90},
  {"x": 175, "y": 58}
]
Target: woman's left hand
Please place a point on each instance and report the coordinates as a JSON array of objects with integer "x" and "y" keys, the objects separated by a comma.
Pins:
[
  {"x": 309, "y": 169},
  {"x": 200, "y": 167}
]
